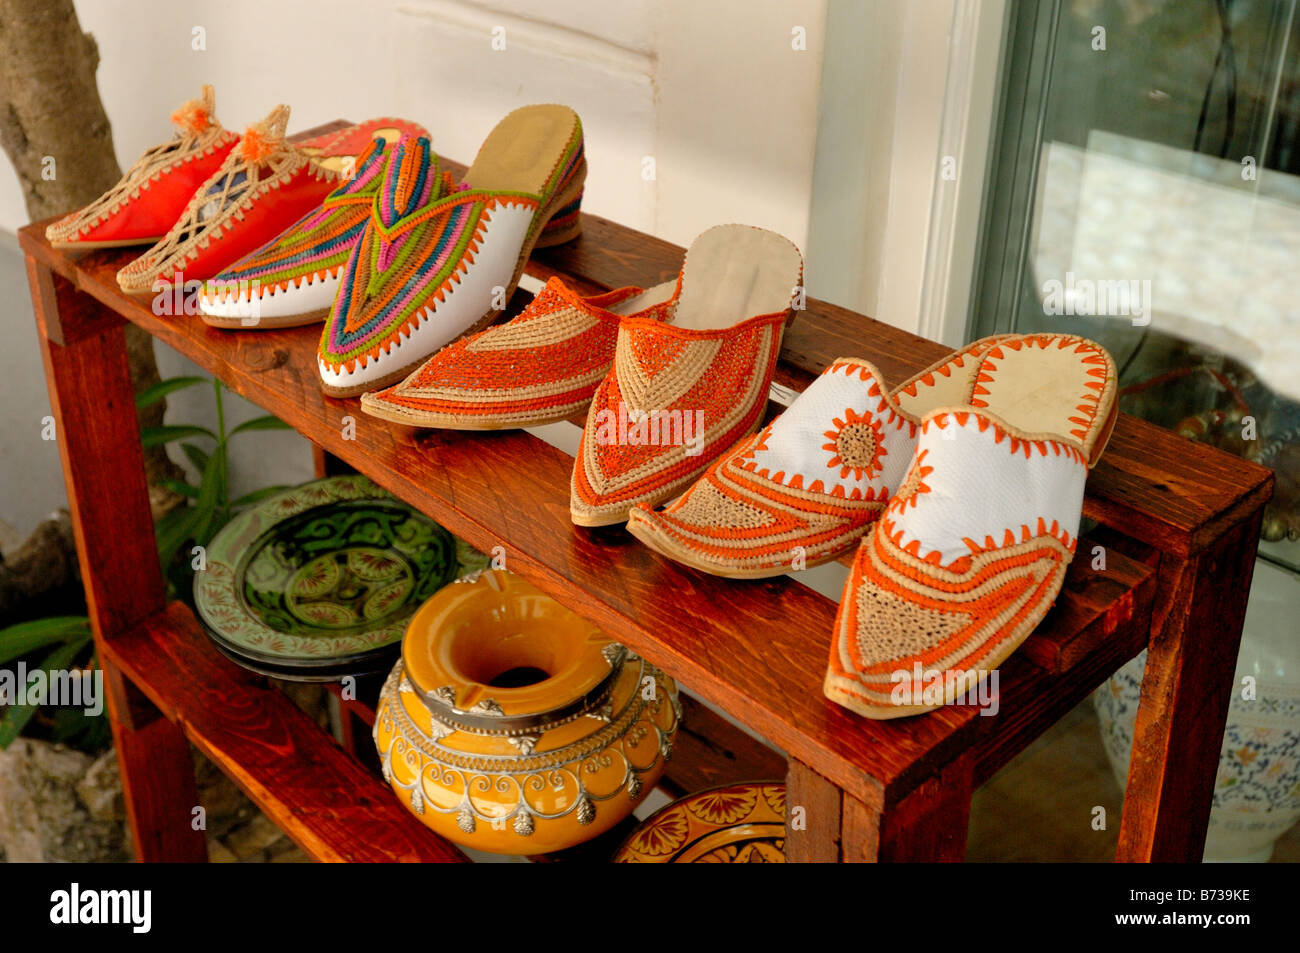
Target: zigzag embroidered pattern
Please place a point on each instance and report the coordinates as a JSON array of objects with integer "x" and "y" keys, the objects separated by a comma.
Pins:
[
  {"x": 734, "y": 518},
  {"x": 540, "y": 366},
  {"x": 722, "y": 374},
  {"x": 375, "y": 308},
  {"x": 903, "y": 610},
  {"x": 1099, "y": 369},
  {"x": 316, "y": 246},
  {"x": 914, "y": 488},
  {"x": 415, "y": 248}
]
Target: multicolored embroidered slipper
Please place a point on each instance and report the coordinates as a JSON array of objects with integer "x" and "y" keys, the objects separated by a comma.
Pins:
[
  {"x": 804, "y": 489},
  {"x": 430, "y": 268},
  {"x": 681, "y": 394},
  {"x": 292, "y": 280},
  {"x": 153, "y": 193},
  {"x": 540, "y": 367},
  {"x": 264, "y": 185},
  {"x": 970, "y": 554}
]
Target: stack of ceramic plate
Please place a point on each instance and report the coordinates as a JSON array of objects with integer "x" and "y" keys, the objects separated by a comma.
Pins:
[
  {"x": 319, "y": 581},
  {"x": 733, "y": 824}
]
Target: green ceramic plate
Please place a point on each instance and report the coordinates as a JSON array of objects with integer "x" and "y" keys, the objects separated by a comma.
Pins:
[{"x": 321, "y": 574}]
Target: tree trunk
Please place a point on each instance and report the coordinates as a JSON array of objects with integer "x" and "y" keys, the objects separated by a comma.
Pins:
[
  {"x": 56, "y": 134},
  {"x": 42, "y": 578}
]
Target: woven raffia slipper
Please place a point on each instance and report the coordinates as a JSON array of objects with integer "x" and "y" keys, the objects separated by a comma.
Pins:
[
  {"x": 971, "y": 552},
  {"x": 803, "y": 490},
  {"x": 539, "y": 367},
  {"x": 679, "y": 395},
  {"x": 430, "y": 268},
  {"x": 264, "y": 185},
  {"x": 144, "y": 205},
  {"x": 292, "y": 279}
]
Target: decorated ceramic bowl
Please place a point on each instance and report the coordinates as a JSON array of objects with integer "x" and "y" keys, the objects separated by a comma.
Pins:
[
  {"x": 731, "y": 824},
  {"x": 321, "y": 579},
  {"x": 512, "y": 725}
]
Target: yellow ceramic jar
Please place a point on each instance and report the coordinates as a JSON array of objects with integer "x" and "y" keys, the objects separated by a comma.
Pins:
[{"x": 512, "y": 725}]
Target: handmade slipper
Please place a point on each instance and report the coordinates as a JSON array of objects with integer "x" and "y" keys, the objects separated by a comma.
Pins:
[
  {"x": 679, "y": 395},
  {"x": 971, "y": 552},
  {"x": 540, "y": 367},
  {"x": 264, "y": 185},
  {"x": 430, "y": 268},
  {"x": 800, "y": 491},
  {"x": 153, "y": 193},
  {"x": 292, "y": 280},
  {"x": 804, "y": 489}
]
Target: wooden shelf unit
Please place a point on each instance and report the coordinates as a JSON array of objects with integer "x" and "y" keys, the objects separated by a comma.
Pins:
[{"x": 1180, "y": 525}]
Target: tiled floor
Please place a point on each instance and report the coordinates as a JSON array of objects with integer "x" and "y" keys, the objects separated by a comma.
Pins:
[{"x": 1040, "y": 806}]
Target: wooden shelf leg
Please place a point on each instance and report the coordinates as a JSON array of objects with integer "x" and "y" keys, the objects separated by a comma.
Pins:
[
  {"x": 929, "y": 824},
  {"x": 84, "y": 350},
  {"x": 812, "y": 811},
  {"x": 1178, "y": 732},
  {"x": 326, "y": 464},
  {"x": 157, "y": 776}
]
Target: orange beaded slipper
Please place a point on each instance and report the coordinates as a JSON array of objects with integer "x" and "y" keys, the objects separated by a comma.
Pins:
[
  {"x": 681, "y": 394},
  {"x": 265, "y": 184},
  {"x": 153, "y": 193},
  {"x": 539, "y": 367},
  {"x": 970, "y": 554},
  {"x": 804, "y": 490}
]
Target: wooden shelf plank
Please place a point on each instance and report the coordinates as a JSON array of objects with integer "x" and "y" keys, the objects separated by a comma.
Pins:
[
  {"x": 328, "y": 803},
  {"x": 1151, "y": 483},
  {"x": 757, "y": 650}
]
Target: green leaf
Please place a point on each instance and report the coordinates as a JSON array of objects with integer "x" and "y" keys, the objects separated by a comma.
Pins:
[
  {"x": 269, "y": 422},
  {"x": 98, "y": 736},
  {"x": 18, "y": 640},
  {"x": 68, "y": 724},
  {"x": 151, "y": 395},
  {"x": 210, "y": 495},
  {"x": 180, "y": 488},
  {"x": 15, "y": 717},
  {"x": 172, "y": 530},
  {"x": 249, "y": 499},
  {"x": 157, "y": 436},
  {"x": 197, "y": 457}
]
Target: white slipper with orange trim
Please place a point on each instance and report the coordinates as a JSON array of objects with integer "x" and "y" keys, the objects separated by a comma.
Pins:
[
  {"x": 970, "y": 554},
  {"x": 802, "y": 491},
  {"x": 799, "y": 492}
]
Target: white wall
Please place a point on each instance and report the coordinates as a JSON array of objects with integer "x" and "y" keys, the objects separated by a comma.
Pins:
[
  {"x": 836, "y": 145},
  {"x": 876, "y": 183},
  {"x": 712, "y": 90}
]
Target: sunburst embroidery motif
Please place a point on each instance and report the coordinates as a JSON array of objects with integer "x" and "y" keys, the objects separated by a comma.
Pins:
[
  {"x": 856, "y": 445},
  {"x": 914, "y": 484}
]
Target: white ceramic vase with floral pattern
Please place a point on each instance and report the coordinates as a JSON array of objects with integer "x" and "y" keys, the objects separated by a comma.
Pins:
[{"x": 1257, "y": 791}]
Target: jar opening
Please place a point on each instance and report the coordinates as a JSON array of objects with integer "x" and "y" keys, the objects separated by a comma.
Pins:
[
  {"x": 517, "y": 656},
  {"x": 520, "y": 676}
]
